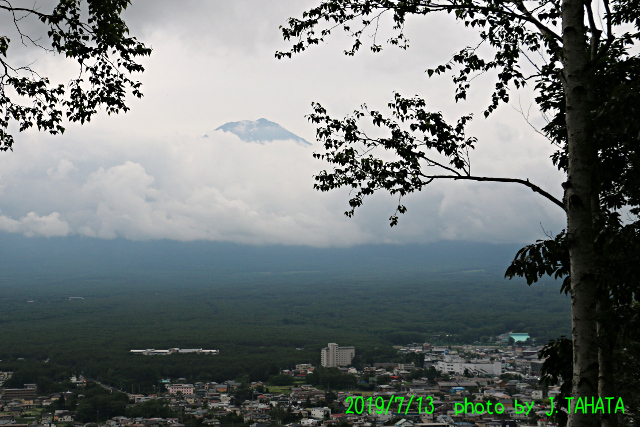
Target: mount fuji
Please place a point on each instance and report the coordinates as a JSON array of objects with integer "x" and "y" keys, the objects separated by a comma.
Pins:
[{"x": 261, "y": 130}]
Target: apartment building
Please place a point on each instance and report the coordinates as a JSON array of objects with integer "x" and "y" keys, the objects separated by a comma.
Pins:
[{"x": 334, "y": 355}]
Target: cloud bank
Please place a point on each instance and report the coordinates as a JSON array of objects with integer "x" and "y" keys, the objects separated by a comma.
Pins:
[
  {"x": 150, "y": 174},
  {"x": 221, "y": 188}
]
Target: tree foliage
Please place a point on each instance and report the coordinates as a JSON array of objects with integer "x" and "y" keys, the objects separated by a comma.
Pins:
[
  {"x": 98, "y": 404},
  {"x": 96, "y": 37},
  {"x": 154, "y": 408},
  {"x": 426, "y": 147},
  {"x": 586, "y": 86},
  {"x": 281, "y": 380},
  {"x": 331, "y": 378}
]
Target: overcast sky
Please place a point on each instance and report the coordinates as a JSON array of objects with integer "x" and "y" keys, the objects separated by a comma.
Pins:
[{"x": 150, "y": 174}]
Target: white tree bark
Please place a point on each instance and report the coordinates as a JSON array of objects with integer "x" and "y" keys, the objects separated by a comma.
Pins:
[{"x": 579, "y": 189}]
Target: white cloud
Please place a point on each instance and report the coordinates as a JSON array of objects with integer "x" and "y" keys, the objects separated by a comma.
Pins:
[
  {"x": 32, "y": 225},
  {"x": 220, "y": 188},
  {"x": 64, "y": 167}
]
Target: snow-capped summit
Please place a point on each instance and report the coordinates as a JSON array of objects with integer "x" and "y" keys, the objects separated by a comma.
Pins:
[{"x": 261, "y": 130}]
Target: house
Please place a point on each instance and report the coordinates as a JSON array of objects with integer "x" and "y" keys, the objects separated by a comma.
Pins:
[
  {"x": 320, "y": 413},
  {"x": 446, "y": 386},
  {"x": 233, "y": 385},
  {"x": 78, "y": 381},
  {"x": 257, "y": 417},
  {"x": 404, "y": 423},
  {"x": 7, "y": 419},
  {"x": 63, "y": 416},
  {"x": 538, "y": 394},
  {"x": 16, "y": 411},
  {"x": 303, "y": 366}
]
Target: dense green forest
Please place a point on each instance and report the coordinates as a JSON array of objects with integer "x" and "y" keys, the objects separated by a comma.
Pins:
[{"x": 263, "y": 313}]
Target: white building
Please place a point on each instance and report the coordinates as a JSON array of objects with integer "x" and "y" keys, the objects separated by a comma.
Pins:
[
  {"x": 333, "y": 356},
  {"x": 320, "y": 413},
  {"x": 458, "y": 367}
]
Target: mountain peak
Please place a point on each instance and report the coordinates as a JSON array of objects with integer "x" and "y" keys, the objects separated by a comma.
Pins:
[{"x": 261, "y": 130}]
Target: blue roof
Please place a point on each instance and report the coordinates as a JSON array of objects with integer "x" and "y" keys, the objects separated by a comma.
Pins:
[{"x": 519, "y": 336}]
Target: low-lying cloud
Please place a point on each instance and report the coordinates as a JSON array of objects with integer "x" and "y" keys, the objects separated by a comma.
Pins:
[{"x": 221, "y": 188}]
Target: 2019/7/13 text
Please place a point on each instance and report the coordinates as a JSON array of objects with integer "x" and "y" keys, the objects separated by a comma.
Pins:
[{"x": 359, "y": 405}]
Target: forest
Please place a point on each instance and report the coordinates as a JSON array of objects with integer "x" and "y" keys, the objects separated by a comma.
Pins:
[{"x": 265, "y": 309}]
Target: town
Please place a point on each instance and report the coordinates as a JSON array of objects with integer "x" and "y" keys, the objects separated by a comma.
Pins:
[{"x": 334, "y": 393}]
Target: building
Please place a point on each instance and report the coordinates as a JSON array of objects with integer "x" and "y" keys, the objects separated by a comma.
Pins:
[
  {"x": 320, "y": 413},
  {"x": 459, "y": 366},
  {"x": 61, "y": 416},
  {"x": 7, "y": 419},
  {"x": 175, "y": 350},
  {"x": 303, "y": 366},
  {"x": 184, "y": 389},
  {"x": 19, "y": 394},
  {"x": 333, "y": 355},
  {"x": 519, "y": 337},
  {"x": 406, "y": 366}
]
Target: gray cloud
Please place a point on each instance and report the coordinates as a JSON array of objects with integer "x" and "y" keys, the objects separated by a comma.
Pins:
[
  {"x": 221, "y": 188},
  {"x": 149, "y": 175}
]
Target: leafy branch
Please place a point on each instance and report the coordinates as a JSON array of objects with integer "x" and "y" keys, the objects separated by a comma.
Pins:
[
  {"x": 106, "y": 56},
  {"x": 419, "y": 141}
]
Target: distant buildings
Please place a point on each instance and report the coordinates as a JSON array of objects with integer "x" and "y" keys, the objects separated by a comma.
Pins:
[
  {"x": 459, "y": 366},
  {"x": 154, "y": 352},
  {"x": 334, "y": 356},
  {"x": 4, "y": 376},
  {"x": 78, "y": 381}
]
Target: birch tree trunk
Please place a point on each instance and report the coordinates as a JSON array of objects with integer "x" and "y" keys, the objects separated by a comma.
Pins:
[
  {"x": 578, "y": 195},
  {"x": 606, "y": 341}
]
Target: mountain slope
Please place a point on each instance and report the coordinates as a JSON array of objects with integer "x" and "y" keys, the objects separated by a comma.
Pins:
[{"x": 261, "y": 130}]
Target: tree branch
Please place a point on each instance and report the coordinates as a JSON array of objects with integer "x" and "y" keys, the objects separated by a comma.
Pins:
[
  {"x": 528, "y": 16},
  {"x": 524, "y": 182},
  {"x": 595, "y": 32},
  {"x": 610, "y": 37},
  {"x": 22, "y": 9}
]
